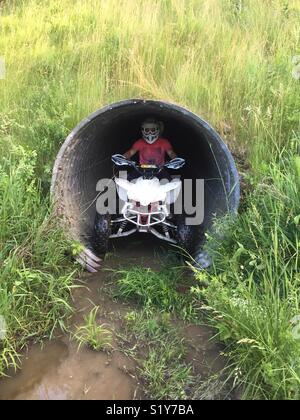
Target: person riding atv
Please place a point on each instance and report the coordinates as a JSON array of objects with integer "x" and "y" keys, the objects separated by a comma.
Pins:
[
  {"x": 147, "y": 194},
  {"x": 151, "y": 147}
]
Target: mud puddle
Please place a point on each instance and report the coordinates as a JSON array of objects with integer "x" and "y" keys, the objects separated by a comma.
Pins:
[{"x": 59, "y": 371}]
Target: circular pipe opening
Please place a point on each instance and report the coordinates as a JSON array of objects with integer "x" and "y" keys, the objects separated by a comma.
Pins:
[{"x": 85, "y": 157}]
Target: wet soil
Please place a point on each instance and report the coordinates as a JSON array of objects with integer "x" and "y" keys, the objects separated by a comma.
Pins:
[{"x": 59, "y": 370}]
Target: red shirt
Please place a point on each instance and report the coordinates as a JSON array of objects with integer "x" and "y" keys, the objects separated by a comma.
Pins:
[{"x": 152, "y": 153}]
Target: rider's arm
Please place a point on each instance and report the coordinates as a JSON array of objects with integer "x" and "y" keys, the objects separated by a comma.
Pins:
[
  {"x": 130, "y": 153},
  {"x": 168, "y": 149},
  {"x": 171, "y": 154}
]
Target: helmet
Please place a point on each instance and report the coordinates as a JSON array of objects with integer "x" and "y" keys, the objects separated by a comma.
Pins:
[{"x": 151, "y": 130}]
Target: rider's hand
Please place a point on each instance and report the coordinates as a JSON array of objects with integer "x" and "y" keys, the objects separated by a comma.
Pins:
[
  {"x": 175, "y": 163},
  {"x": 177, "y": 159}
]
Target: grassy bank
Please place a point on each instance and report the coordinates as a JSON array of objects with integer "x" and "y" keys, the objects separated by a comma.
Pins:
[
  {"x": 35, "y": 273},
  {"x": 252, "y": 297},
  {"x": 229, "y": 61}
]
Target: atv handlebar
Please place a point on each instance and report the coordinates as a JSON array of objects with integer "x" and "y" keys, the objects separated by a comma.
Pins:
[
  {"x": 120, "y": 160},
  {"x": 175, "y": 163}
]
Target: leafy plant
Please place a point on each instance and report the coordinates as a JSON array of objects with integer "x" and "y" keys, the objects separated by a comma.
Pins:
[{"x": 96, "y": 336}]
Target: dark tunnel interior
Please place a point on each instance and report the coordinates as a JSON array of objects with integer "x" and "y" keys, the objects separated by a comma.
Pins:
[{"x": 85, "y": 157}]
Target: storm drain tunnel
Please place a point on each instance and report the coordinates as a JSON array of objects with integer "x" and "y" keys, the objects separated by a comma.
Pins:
[{"x": 85, "y": 157}]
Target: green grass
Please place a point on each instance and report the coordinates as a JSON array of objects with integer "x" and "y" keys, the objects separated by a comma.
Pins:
[
  {"x": 153, "y": 333},
  {"x": 230, "y": 62},
  {"x": 159, "y": 352},
  {"x": 253, "y": 290},
  {"x": 153, "y": 326},
  {"x": 35, "y": 274},
  {"x": 158, "y": 289},
  {"x": 92, "y": 334}
]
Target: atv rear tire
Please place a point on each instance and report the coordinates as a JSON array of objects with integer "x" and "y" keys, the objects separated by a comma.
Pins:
[{"x": 102, "y": 230}]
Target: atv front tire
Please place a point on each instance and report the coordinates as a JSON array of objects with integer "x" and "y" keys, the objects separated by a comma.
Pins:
[
  {"x": 102, "y": 231},
  {"x": 185, "y": 235}
]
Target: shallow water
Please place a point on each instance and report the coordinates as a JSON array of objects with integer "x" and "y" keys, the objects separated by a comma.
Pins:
[{"x": 59, "y": 372}]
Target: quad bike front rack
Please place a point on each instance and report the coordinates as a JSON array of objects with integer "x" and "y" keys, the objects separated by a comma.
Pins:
[{"x": 123, "y": 222}]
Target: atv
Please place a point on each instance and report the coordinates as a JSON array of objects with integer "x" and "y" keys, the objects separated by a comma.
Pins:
[{"x": 147, "y": 202}]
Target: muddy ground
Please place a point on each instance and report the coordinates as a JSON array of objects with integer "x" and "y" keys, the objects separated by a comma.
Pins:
[{"x": 59, "y": 370}]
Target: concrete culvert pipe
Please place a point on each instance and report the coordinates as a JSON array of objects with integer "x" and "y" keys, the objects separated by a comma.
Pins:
[{"x": 85, "y": 157}]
